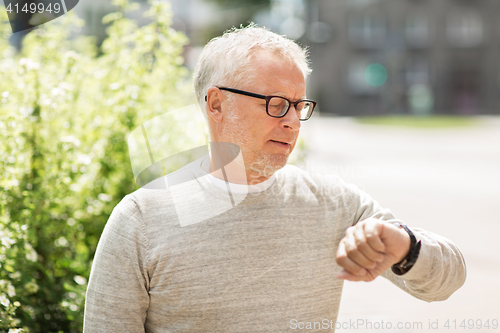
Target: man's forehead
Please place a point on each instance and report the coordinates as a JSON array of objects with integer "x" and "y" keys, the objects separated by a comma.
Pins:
[
  {"x": 271, "y": 72},
  {"x": 261, "y": 58}
]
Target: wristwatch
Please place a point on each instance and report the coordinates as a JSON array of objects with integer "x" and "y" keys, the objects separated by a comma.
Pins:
[{"x": 407, "y": 263}]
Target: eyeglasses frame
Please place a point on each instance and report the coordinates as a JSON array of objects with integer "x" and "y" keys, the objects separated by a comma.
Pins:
[{"x": 267, "y": 98}]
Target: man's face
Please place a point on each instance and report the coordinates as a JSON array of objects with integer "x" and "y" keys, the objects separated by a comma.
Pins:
[{"x": 266, "y": 142}]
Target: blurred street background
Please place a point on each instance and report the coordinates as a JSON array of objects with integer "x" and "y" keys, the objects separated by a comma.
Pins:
[
  {"x": 408, "y": 110},
  {"x": 370, "y": 57},
  {"x": 444, "y": 180}
]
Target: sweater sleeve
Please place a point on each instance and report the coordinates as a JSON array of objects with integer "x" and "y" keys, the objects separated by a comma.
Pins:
[
  {"x": 438, "y": 272},
  {"x": 440, "y": 268},
  {"x": 117, "y": 297}
]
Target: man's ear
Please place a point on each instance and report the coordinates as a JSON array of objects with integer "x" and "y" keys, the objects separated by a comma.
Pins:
[{"x": 214, "y": 100}]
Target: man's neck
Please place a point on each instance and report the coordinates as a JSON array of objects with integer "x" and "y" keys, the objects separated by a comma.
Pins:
[{"x": 237, "y": 172}]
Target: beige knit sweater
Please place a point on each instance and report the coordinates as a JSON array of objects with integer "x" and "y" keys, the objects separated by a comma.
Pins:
[{"x": 195, "y": 258}]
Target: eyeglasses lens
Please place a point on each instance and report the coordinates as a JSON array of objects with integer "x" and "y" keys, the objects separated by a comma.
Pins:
[{"x": 278, "y": 106}]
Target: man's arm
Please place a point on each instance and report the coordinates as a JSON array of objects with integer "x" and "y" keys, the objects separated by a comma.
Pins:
[
  {"x": 438, "y": 272},
  {"x": 117, "y": 296},
  {"x": 373, "y": 244}
]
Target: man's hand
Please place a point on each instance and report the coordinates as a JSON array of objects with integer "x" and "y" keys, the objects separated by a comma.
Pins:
[{"x": 369, "y": 248}]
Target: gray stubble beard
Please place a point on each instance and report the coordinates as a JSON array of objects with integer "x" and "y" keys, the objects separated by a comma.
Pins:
[{"x": 265, "y": 165}]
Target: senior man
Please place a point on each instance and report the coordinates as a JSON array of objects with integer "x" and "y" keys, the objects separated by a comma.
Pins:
[{"x": 280, "y": 253}]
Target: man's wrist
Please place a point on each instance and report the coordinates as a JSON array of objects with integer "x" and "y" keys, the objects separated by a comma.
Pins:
[
  {"x": 407, "y": 242},
  {"x": 409, "y": 260}
]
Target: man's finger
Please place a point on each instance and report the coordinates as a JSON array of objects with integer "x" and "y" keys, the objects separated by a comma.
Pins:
[
  {"x": 365, "y": 248},
  {"x": 345, "y": 275},
  {"x": 372, "y": 234},
  {"x": 346, "y": 262},
  {"x": 353, "y": 240}
]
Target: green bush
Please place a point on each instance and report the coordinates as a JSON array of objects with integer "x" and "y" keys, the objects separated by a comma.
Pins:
[{"x": 65, "y": 112}]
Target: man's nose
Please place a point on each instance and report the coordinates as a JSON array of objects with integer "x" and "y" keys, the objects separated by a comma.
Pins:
[{"x": 291, "y": 119}]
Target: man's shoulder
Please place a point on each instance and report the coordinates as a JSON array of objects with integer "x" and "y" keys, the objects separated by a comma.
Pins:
[
  {"x": 145, "y": 198},
  {"x": 133, "y": 205},
  {"x": 144, "y": 208},
  {"x": 157, "y": 192}
]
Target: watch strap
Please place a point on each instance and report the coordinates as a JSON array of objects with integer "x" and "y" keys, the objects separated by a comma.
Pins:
[{"x": 407, "y": 263}]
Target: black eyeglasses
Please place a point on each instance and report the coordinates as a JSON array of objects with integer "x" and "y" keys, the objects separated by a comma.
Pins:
[{"x": 277, "y": 106}]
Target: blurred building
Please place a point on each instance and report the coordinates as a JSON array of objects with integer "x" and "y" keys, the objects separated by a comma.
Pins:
[
  {"x": 374, "y": 57},
  {"x": 369, "y": 57}
]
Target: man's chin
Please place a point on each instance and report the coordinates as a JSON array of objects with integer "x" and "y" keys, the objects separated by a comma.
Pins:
[
  {"x": 268, "y": 165},
  {"x": 278, "y": 161}
]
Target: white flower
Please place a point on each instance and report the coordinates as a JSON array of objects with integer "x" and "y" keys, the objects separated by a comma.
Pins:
[
  {"x": 15, "y": 330},
  {"x": 84, "y": 159},
  {"x": 80, "y": 280},
  {"x": 31, "y": 254},
  {"x": 71, "y": 54},
  {"x": 7, "y": 241},
  {"x": 133, "y": 91},
  {"x": 104, "y": 197},
  {"x": 26, "y": 111},
  {"x": 4, "y": 300},
  {"x": 29, "y": 64},
  {"x": 58, "y": 91},
  {"x": 71, "y": 139},
  {"x": 74, "y": 187},
  {"x": 11, "y": 290},
  {"x": 61, "y": 241}
]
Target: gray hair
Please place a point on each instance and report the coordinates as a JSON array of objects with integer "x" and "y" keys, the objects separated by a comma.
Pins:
[{"x": 224, "y": 59}]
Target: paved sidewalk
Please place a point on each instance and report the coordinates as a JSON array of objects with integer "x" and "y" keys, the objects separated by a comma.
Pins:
[{"x": 444, "y": 180}]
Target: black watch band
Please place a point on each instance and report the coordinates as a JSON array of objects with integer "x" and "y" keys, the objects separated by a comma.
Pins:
[{"x": 407, "y": 263}]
